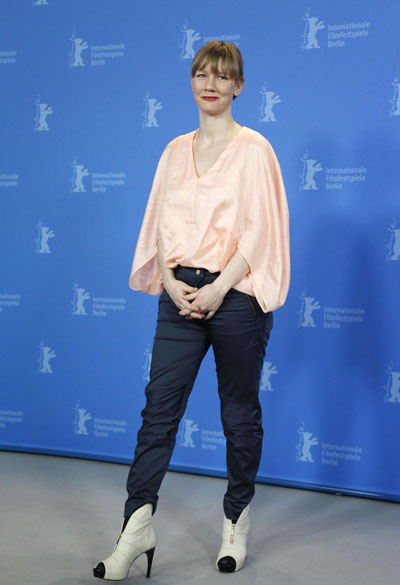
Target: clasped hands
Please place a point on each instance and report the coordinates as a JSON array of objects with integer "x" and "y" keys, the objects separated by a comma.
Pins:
[{"x": 196, "y": 303}]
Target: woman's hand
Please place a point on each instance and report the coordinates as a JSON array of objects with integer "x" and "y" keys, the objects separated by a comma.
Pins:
[
  {"x": 178, "y": 292},
  {"x": 205, "y": 302}
]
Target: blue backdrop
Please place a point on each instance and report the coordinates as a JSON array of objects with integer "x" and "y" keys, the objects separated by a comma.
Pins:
[{"x": 91, "y": 92}]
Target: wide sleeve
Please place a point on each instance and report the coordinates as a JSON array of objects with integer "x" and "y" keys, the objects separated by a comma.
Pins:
[
  {"x": 264, "y": 238},
  {"x": 146, "y": 272}
]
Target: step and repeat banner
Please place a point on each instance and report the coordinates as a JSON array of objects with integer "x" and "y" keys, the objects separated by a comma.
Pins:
[{"x": 91, "y": 92}]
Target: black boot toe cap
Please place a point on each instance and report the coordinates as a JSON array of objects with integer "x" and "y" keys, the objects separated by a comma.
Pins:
[
  {"x": 99, "y": 571},
  {"x": 227, "y": 565}
]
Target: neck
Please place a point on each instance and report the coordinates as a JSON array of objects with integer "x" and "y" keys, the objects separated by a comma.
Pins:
[{"x": 215, "y": 128}]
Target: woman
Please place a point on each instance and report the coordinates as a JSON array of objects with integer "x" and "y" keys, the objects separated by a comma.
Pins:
[{"x": 215, "y": 242}]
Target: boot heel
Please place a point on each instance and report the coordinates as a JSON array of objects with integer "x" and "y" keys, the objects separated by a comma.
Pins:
[{"x": 150, "y": 555}]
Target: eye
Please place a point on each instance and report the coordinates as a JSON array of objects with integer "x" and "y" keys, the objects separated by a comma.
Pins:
[
  {"x": 200, "y": 74},
  {"x": 223, "y": 77}
]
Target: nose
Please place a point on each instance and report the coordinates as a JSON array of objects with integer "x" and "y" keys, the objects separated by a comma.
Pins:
[{"x": 210, "y": 85}]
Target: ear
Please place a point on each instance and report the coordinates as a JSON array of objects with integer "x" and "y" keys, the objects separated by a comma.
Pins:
[{"x": 239, "y": 87}]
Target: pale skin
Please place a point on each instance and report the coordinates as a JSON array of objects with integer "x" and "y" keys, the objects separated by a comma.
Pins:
[{"x": 216, "y": 130}]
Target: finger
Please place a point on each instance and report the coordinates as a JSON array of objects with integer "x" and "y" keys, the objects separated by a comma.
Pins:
[
  {"x": 184, "y": 305},
  {"x": 190, "y": 296},
  {"x": 188, "y": 288},
  {"x": 197, "y": 315},
  {"x": 196, "y": 309},
  {"x": 188, "y": 308},
  {"x": 192, "y": 314},
  {"x": 209, "y": 315}
]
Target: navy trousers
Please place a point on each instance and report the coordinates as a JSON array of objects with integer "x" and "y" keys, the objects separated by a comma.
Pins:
[{"x": 238, "y": 333}]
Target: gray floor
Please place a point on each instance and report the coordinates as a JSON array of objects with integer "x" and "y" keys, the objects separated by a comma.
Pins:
[{"x": 59, "y": 516}]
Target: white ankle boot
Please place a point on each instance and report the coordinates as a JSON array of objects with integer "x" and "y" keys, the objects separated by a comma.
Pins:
[
  {"x": 137, "y": 538},
  {"x": 232, "y": 553}
]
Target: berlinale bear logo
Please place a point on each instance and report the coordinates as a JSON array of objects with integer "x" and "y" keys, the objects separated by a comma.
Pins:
[
  {"x": 80, "y": 296},
  {"x": 310, "y": 168},
  {"x": 42, "y": 111},
  {"x": 395, "y": 99},
  {"x": 188, "y": 427},
  {"x": 147, "y": 365},
  {"x": 392, "y": 387},
  {"x": 394, "y": 244},
  {"x": 307, "y": 307},
  {"x": 312, "y": 26},
  {"x": 79, "y": 172},
  {"x": 152, "y": 106},
  {"x": 269, "y": 99},
  {"x": 267, "y": 371},
  {"x": 81, "y": 418},
  {"x": 42, "y": 241},
  {"x": 46, "y": 354},
  {"x": 304, "y": 445},
  {"x": 190, "y": 36},
  {"x": 78, "y": 46}
]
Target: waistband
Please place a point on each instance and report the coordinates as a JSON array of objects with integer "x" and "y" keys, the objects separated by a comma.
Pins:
[
  {"x": 197, "y": 271},
  {"x": 195, "y": 276}
]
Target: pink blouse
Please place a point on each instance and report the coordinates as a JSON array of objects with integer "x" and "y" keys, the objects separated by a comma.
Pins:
[{"x": 239, "y": 202}]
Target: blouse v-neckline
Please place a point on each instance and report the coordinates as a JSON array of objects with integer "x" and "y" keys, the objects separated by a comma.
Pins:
[{"x": 195, "y": 173}]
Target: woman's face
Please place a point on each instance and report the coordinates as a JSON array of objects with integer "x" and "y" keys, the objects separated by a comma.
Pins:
[{"x": 213, "y": 92}]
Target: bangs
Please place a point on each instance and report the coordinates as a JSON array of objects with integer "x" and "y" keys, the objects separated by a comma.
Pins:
[
  {"x": 220, "y": 64},
  {"x": 222, "y": 57}
]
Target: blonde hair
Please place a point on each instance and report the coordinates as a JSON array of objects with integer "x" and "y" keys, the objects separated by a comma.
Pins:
[{"x": 221, "y": 56}]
